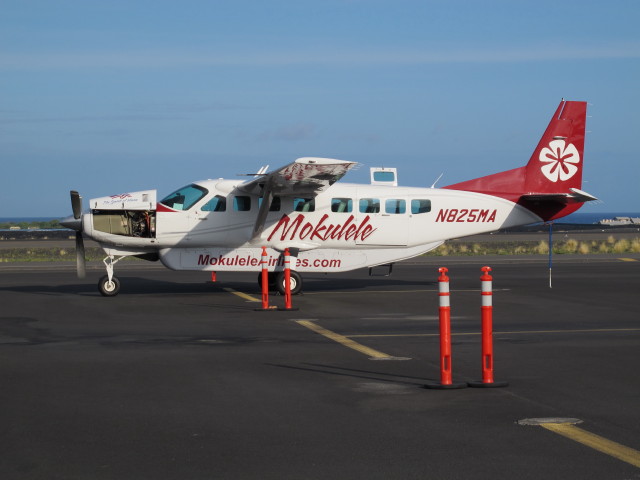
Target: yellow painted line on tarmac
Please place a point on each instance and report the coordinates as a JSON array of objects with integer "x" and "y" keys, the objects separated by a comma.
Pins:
[
  {"x": 249, "y": 298},
  {"x": 342, "y": 340},
  {"x": 596, "y": 442},
  {"x": 523, "y": 332},
  {"x": 628, "y": 259}
]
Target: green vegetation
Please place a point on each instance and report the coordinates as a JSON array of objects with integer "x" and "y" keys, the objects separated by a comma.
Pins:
[
  {"x": 28, "y": 225},
  {"x": 54, "y": 254},
  {"x": 569, "y": 246}
]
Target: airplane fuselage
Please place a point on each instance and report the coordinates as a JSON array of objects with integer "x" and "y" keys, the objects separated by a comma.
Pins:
[{"x": 347, "y": 226}]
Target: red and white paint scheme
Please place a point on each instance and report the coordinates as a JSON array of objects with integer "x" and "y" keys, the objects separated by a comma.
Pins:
[{"x": 222, "y": 225}]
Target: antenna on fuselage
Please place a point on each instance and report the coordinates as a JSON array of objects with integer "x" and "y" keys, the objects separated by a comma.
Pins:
[
  {"x": 262, "y": 171},
  {"x": 434, "y": 183}
]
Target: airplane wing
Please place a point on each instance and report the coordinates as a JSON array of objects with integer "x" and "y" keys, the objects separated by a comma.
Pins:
[{"x": 305, "y": 176}]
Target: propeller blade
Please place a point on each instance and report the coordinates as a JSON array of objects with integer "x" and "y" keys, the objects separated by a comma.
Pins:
[
  {"x": 80, "y": 260},
  {"x": 76, "y": 204}
]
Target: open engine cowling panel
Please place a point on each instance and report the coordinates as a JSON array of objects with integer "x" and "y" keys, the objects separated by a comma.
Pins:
[{"x": 128, "y": 214}]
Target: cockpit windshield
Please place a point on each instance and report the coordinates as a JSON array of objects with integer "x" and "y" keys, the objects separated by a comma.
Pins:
[{"x": 184, "y": 198}]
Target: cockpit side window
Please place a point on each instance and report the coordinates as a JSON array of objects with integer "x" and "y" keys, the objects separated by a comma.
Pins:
[
  {"x": 216, "y": 204},
  {"x": 184, "y": 198}
]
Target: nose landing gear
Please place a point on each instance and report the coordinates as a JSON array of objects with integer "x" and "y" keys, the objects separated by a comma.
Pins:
[
  {"x": 109, "y": 285},
  {"x": 109, "y": 288}
]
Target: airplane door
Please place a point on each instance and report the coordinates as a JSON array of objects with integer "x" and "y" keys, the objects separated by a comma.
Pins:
[
  {"x": 388, "y": 215},
  {"x": 171, "y": 226},
  {"x": 208, "y": 223}
]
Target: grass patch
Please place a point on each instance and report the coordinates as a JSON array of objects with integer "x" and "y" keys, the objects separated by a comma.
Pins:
[
  {"x": 569, "y": 246},
  {"x": 53, "y": 254}
]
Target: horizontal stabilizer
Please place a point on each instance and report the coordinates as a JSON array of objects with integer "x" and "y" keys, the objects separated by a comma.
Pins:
[{"x": 575, "y": 196}]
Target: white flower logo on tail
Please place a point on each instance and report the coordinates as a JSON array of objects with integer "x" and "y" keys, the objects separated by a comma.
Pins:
[{"x": 561, "y": 160}]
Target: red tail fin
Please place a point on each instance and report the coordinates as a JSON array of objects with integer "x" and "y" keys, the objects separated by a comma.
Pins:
[
  {"x": 556, "y": 163},
  {"x": 549, "y": 184}
]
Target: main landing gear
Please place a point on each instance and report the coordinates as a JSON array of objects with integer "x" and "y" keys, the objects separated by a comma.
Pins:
[
  {"x": 277, "y": 282},
  {"x": 109, "y": 285}
]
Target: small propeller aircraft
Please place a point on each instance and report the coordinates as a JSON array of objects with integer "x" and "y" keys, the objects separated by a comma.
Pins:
[{"x": 222, "y": 225}]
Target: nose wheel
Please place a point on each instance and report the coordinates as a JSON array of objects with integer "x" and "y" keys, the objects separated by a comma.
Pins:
[{"x": 109, "y": 287}]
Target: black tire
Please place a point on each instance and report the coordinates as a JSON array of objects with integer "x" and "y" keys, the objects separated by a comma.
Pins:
[
  {"x": 109, "y": 289},
  {"x": 295, "y": 282}
]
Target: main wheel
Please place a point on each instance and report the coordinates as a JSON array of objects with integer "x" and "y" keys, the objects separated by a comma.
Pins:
[
  {"x": 295, "y": 283},
  {"x": 109, "y": 288}
]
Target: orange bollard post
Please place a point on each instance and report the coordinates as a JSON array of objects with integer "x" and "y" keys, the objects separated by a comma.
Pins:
[
  {"x": 446, "y": 381},
  {"x": 213, "y": 277},
  {"x": 264, "y": 280},
  {"x": 287, "y": 281},
  {"x": 486, "y": 311}
]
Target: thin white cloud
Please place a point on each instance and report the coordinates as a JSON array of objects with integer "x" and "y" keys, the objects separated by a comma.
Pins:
[{"x": 173, "y": 59}]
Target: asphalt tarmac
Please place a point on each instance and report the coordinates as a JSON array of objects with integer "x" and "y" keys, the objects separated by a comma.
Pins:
[{"x": 180, "y": 378}]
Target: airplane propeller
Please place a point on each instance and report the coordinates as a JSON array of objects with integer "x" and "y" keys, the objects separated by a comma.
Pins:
[{"x": 75, "y": 223}]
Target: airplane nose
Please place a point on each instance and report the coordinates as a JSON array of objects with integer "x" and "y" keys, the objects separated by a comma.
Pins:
[{"x": 72, "y": 223}]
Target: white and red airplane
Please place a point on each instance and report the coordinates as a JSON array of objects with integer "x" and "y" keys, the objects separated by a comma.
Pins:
[{"x": 222, "y": 225}]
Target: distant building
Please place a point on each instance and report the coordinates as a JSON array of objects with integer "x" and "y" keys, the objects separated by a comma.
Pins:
[{"x": 619, "y": 221}]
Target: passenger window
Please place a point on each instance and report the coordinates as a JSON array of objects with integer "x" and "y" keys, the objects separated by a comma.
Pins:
[
  {"x": 341, "y": 205},
  {"x": 216, "y": 204},
  {"x": 369, "y": 205},
  {"x": 420, "y": 206},
  {"x": 242, "y": 204},
  {"x": 184, "y": 198},
  {"x": 395, "y": 206},
  {"x": 275, "y": 204},
  {"x": 304, "y": 204}
]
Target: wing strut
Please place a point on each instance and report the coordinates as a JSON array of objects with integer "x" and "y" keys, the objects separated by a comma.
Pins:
[{"x": 267, "y": 198}]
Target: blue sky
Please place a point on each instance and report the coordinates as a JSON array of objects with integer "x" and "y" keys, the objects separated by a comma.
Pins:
[{"x": 110, "y": 97}]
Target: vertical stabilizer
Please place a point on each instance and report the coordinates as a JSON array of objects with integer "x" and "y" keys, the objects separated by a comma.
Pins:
[
  {"x": 556, "y": 163},
  {"x": 549, "y": 184}
]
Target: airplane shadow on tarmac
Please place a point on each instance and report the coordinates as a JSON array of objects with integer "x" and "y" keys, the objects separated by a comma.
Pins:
[
  {"x": 148, "y": 286},
  {"x": 356, "y": 373},
  {"x": 130, "y": 286}
]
